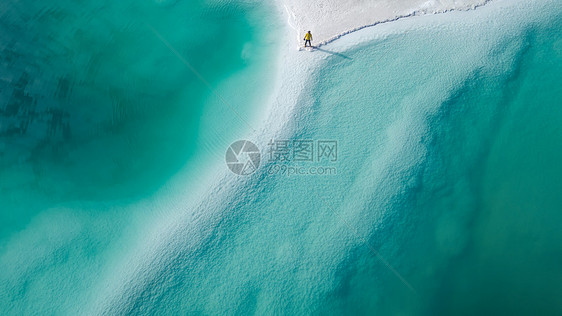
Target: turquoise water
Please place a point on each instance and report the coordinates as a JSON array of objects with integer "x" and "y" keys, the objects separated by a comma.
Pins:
[
  {"x": 446, "y": 199},
  {"x": 474, "y": 227},
  {"x": 97, "y": 107},
  {"x": 484, "y": 210},
  {"x": 514, "y": 256},
  {"x": 98, "y": 114},
  {"x": 474, "y": 224},
  {"x": 430, "y": 178}
]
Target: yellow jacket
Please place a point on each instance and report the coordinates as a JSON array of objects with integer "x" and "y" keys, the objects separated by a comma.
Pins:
[{"x": 308, "y": 37}]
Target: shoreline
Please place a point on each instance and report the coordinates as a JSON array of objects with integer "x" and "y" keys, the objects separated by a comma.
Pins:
[
  {"x": 332, "y": 20},
  {"x": 211, "y": 241},
  {"x": 221, "y": 200}
]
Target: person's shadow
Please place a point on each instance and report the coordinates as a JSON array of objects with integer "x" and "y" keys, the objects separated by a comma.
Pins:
[{"x": 332, "y": 53}]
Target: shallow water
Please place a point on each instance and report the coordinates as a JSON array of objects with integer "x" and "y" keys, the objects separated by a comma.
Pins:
[
  {"x": 420, "y": 218},
  {"x": 97, "y": 107},
  {"x": 97, "y": 114},
  {"x": 474, "y": 223},
  {"x": 485, "y": 206},
  {"x": 445, "y": 199}
]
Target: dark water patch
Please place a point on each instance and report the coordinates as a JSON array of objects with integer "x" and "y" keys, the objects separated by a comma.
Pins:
[{"x": 95, "y": 107}]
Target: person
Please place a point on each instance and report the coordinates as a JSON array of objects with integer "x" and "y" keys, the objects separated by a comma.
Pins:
[{"x": 307, "y": 39}]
